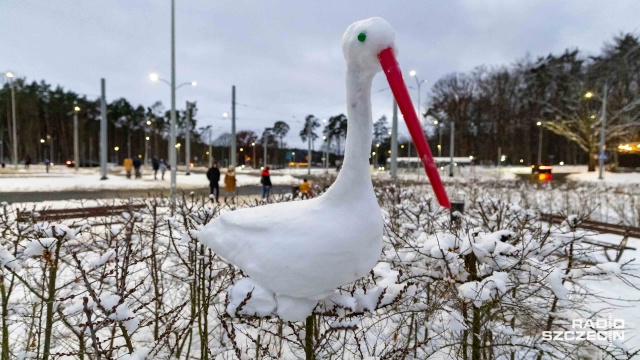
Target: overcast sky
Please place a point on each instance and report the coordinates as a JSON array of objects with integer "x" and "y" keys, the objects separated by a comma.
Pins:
[{"x": 284, "y": 57}]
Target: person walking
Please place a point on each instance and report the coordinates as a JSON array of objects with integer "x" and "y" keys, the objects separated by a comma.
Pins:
[
  {"x": 27, "y": 162},
  {"x": 305, "y": 190},
  {"x": 128, "y": 166},
  {"x": 230, "y": 183},
  {"x": 136, "y": 166},
  {"x": 265, "y": 180},
  {"x": 155, "y": 164},
  {"x": 163, "y": 167},
  {"x": 213, "y": 174}
]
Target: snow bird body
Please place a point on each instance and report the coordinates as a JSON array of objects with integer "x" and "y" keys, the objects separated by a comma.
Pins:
[{"x": 301, "y": 251}]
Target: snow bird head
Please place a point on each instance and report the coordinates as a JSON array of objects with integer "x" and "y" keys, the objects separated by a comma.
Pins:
[
  {"x": 369, "y": 46},
  {"x": 364, "y": 40}
]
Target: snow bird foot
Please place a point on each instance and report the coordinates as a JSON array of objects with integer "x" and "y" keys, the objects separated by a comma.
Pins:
[{"x": 247, "y": 297}]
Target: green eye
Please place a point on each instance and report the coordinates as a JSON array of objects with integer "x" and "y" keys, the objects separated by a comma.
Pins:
[{"x": 361, "y": 37}]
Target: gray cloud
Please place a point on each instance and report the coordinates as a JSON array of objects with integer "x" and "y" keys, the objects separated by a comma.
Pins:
[{"x": 283, "y": 56}]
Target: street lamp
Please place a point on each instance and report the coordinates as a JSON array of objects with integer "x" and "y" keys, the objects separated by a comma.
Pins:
[
  {"x": 326, "y": 150},
  {"x": 116, "y": 148},
  {"x": 154, "y": 77},
  {"x": 419, "y": 83},
  {"x": 540, "y": 125},
  {"x": 9, "y": 75},
  {"x": 325, "y": 155},
  {"x": 436, "y": 122},
  {"x": 76, "y": 146},
  {"x": 603, "y": 129},
  {"x": 177, "y": 146},
  {"x": 253, "y": 145}
]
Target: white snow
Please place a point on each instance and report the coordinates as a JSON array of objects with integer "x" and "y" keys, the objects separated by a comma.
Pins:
[
  {"x": 262, "y": 302},
  {"x": 7, "y": 259},
  {"x": 482, "y": 291},
  {"x": 609, "y": 177},
  {"x": 106, "y": 257},
  {"x": 141, "y": 353},
  {"x": 555, "y": 282},
  {"x": 92, "y": 182},
  {"x": 38, "y": 247}
]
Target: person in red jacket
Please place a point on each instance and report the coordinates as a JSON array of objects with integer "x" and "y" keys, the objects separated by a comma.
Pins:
[{"x": 265, "y": 180}]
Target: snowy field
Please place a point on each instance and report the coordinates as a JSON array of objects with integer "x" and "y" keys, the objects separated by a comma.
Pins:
[
  {"x": 62, "y": 178},
  {"x": 89, "y": 180},
  {"x": 144, "y": 285}
]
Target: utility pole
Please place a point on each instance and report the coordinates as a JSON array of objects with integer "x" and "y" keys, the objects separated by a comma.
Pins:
[
  {"x": 13, "y": 116},
  {"x": 309, "y": 148},
  {"x": 210, "y": 150},
  {"x": 394, "y": 142},
  {"x": 76, "y": 151},
  {"x": 253, "y": 145},
  {"x": 453, "y": 131},
  {"x": 233, "y": 127},
  {"x": 603, "y": 146},
  {"x": 187, "y": 137},
  {"x": 264, "y": 147},
  {"x": 539, "y": 123},
  {"x": 103, "y": 131},
  {"x": 172, "y": 138}
]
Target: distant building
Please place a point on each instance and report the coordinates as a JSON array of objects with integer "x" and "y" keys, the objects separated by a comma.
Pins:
[{"x": 628, "y": 156}]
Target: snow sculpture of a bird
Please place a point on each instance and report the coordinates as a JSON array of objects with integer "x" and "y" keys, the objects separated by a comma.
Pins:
[{"x": 301, "y": 251}]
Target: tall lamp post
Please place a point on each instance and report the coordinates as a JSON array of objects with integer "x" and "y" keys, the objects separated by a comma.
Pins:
[
  {"x": 540, "y": 125},
  {"x": 173, "y": 163},
  {"x": 253, "y": 145},
  {"x": 419, "y": 83},
  {"x": 76, "y": 151},
  {"x": 603, "y": 131},
  {"x": 9, "y": 75},
  {"x": 232, "y": 142},
  {"x": 325, "y": 154},
  {"x": 210, "y": 149},
  {"x": 147, "y": 140},
  {"x": 437, "y": 123}
]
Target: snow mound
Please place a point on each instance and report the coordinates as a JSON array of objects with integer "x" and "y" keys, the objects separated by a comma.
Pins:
[
  {"x": 8, "y": 260},
  {"x": 38, "y": 247},
  {"x": 252, "y": 299}
]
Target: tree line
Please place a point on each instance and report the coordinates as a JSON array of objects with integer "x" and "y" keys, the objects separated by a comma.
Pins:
[
  {"x": 559, "y": 96},
  {"x": 44, "y": 115},
  {"x": 555, "y": 100}
]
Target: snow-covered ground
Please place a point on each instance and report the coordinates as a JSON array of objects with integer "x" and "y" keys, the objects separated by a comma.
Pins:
[
  {"x": 63, "y": 178},
  {"x": 609, "y": 177},
  {"x": 90, "y": 181}
]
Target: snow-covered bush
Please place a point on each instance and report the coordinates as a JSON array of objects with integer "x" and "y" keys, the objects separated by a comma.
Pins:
[{"x": 483, "y": 284}]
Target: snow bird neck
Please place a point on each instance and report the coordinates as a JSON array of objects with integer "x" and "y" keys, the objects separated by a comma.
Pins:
[{"x": 361, "y": 44}]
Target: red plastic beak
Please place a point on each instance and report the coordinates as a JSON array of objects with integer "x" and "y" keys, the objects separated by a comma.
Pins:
[{"x": 391, "y": 69}]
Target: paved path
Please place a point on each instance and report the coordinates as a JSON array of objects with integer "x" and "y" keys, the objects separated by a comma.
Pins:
[{"x": 111, "y": 194}]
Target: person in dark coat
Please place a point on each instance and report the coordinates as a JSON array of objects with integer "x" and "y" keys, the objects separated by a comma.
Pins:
[
  {"x": 213, "y": 174},
  {"x": 156, "y": 166},
  {"x": 265, "y": 180},
  {"x": 136, "y": 165}
]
